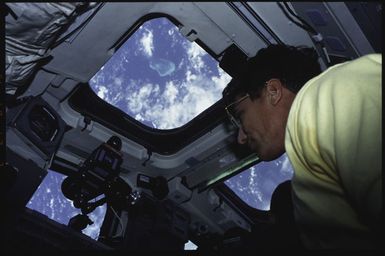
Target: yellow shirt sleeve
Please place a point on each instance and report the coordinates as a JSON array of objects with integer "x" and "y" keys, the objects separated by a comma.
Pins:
[{"x": 333, "y": 140}]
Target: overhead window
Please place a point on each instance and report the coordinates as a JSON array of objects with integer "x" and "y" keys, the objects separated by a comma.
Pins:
[
  {"x": 256, "y": 184},
  {"x": 163, "y": 80},
  {"x": 159, "y": 77}
]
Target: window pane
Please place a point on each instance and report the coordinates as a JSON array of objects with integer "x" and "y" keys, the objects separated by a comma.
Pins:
[
  {"x": 190, "y": 246},
  {"x": 49, "y": 200},
  {"x": 256, "y": 184},
  {"x": 160, "y": 78}
]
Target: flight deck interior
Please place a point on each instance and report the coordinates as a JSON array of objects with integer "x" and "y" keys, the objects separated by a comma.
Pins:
[{"x": 162, "y": 184}]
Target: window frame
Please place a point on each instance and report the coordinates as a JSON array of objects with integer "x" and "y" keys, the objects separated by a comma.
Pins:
[{"x": 154, "y": 140}]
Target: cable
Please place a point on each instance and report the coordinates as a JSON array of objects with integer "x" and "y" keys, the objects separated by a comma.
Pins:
[
  {"x": 309, "y": 27},
  {"x": 290, "y": 18},
  {"x": 248, "y": 22},
  {"x": 149, "y": 154},
  {"x": 120, "y": 222},
  {"x": 260, "y": 20},
  {"x": 316, "y": 36}
]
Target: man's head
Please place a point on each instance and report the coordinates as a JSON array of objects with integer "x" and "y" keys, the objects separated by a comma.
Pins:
[{"x": 260, "y": 98}]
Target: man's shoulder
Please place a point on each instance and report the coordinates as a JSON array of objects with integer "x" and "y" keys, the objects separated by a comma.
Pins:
[{"x": 344, "y": 77}]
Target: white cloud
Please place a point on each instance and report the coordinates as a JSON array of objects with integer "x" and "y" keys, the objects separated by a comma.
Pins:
[
  {"x": 165, "y": 117},
  {"x": 138, "y": 100},
  {"x": 118, "y": 81},
  {"x": 190, "y": 77},
  {"x": 147, "y": 44},
  {"x": 222, "y": 80},
  {"x": 116, "y": 99},
  {"x": 139, "y": 117},
  {"x": 253, "y": 174},
  {"x": 199, "y": 92},
  {"x": 198, "y": 99},
  {"x": 287, "y": 168},
  {"x": 145, "y": 91},
  {"x": 170, "y": 92},
  {"x": 97, "y": 216},
  {"x": 181, "y": 63},
  {"x": 175, "y": 36},
  {"x": 172, "y": 116},
  {"x": 260, "y": 199},
  {"x": 102, "y": 92},
  {"x": 195, "y": 54},
  {"x": 190, "y": 246},
  {"x": 171, "y": 111},
  {"x": 51, "y": 206},
  {"x": 171, "y": 31}
]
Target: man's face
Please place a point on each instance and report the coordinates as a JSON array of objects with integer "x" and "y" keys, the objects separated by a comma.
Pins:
[{"x": 261, "y": 126}]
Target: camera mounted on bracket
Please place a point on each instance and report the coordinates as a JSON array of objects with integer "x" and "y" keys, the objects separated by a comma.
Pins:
[{"x": 99, "y": 174}]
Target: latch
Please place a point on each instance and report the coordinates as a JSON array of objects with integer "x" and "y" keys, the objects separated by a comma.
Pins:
[{"x": 189, "y": 33}]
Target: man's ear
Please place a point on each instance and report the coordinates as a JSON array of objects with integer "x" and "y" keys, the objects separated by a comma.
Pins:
[{"x": 274, "y": 89}]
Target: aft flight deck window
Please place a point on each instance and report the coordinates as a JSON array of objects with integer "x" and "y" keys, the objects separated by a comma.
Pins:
[
  {"x": 256, "y": 184},
  {"x": 159, "y": 77},
  {"x": 49, "y": 200}
]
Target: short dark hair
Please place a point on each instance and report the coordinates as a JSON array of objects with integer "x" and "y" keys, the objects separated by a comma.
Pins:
[{"x": 292, "y": 65}]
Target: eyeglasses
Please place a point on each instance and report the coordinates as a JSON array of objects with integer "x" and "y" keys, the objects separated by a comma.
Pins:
[{"x": 229, "y": 108}]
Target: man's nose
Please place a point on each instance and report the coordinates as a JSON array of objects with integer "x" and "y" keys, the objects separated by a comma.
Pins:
[{"x": 242, "y": 137}]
